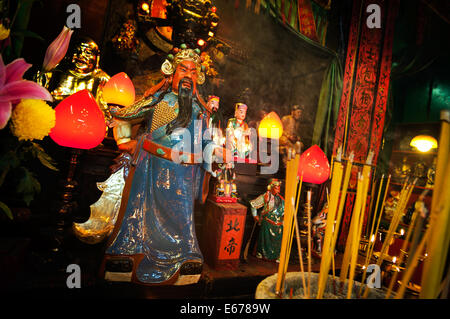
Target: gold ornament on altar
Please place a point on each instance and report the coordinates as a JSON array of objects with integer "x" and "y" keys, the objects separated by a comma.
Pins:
[
  {"x": 126, "y": 39},
  {"x": 207, "y": 63},
  {"x": 78, "y": 70}
]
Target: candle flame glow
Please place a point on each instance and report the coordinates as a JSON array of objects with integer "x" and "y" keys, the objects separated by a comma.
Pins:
[{"x": 394, "y": 259}]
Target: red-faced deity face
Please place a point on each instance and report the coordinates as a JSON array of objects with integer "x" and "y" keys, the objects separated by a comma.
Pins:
[
  {"x": 186, "y": 69},
  {"x": 275, "y": 189}
]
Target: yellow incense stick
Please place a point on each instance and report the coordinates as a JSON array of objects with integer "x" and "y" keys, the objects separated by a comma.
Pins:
[
  {"x": 291, "y": 184},
  {"x": 308, "y": 210},
  {"x": 433, "y": 269},
  {"x": 292, "y": 205},
  {"x": 352, "y": 239},
  {"x": 357, "y": 236},
  {"x": 402, "y": 254},
  {"x": 414, "y": 261},
  {"x": 300, "y": 255},
  {"x": 332, "y": 208},
  {"x": 349, "y": 241},
  {"x": 373, "y": 234},
  {"x": 284, "y": 235}
]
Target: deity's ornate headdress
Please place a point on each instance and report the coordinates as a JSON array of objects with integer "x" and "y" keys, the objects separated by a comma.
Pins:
[
  {"x": 182, "y": 54},
  {"x": 273, "y": 182},
  {"x": 213, "y": 98},
  {"x": 240, "y": 106}
]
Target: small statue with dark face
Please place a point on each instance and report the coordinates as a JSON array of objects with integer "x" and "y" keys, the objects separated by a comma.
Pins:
[{"x": 79, "y": 70}]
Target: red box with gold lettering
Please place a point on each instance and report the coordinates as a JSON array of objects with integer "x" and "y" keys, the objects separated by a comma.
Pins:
[{"x": 222, "y": 233}]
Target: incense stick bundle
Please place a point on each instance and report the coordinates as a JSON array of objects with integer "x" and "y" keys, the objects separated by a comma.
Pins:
[
  {"x": 402, "y": 253},
  {"x": 403, "y": 201},
  {"x": 293, "y": 212},
  {"x": 286, "y": 242},
  {"x": 357, "y": 236},
  {"x": 439, "y": 223},
  {"x": 351, "y": 238},
  {"x": 332, "y": 209},
  {"x": 372, "y": 233},
  {"x": 297, "y": 233},
  {"x": 308, "y": 211},
  {"x": 413, "y": 263}
]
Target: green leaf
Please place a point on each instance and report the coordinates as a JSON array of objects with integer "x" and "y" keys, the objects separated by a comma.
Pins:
[
  {"x": 43, "y": 157},
  {"x": 28, "y": 186},
  {"x": 28, "y": 34},
  {"x": 6, "y": 209}
]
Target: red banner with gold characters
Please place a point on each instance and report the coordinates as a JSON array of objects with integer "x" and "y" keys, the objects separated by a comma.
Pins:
[
  {"x": 232, "y": 232},
  {"x": 306, "y": 22},
  {"x": 360, "y": 124}
]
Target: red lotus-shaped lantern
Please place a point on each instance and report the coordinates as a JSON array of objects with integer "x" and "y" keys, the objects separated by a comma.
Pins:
[
  {"x": 79, "y": 122},
  {"x": 314, "y": 166},
  {"x": 119, "y": 90}
]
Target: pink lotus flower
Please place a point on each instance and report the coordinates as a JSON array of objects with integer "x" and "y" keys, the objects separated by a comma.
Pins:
[
  {"x": 13, "y": 88},
  {"x": 57, "y": 49}
]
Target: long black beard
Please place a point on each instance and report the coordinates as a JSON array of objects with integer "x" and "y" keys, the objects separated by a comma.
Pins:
[{"x": 185, "y": 100}]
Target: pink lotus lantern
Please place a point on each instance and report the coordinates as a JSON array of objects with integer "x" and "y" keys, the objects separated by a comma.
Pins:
[{"x": 314, "y": 166}]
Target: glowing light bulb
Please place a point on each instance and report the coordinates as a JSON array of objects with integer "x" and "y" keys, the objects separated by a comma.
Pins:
[
  {"x": 394, "y": 259},
  {"x": 201, "y": 42},
  {"x": 145, "y": 6},
  {"x": 424, "y": 143}
]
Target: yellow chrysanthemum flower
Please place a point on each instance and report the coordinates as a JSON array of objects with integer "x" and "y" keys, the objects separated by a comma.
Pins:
[
  {"x": 32, "y": 119},
  {"x": 4, "y": 32}
]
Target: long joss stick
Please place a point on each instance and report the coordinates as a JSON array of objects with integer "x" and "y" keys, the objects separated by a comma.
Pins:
[
  {"x": 439, "y": 221},
  {"x": 372, "y": 244},
  {"x": 394, "y": 222},
  {"x": 404, "y": 198},
  {"x": 300, "y": 256},
  {"x": 357, "y": 237},
  {"x": 372, "y": 234},
  {"x": 299, "y": 245},
  {"x": 308, "y": 210},
  {"x": 332, "y": 254},
  {"x": 374, "y": 213},
  {"x": 332, "y": 208},
  {"x": 285, "y": 227},
  {"x": 353, "y": 237},
  {"x": 353, "y": 228},
  {"x": 402, "y": 253},
  {"x": 371, "y": 218},
  {"x": 413, "y": 263},
  {"x": 291, "y": 179},
  {"x": 294, "y": 171}
]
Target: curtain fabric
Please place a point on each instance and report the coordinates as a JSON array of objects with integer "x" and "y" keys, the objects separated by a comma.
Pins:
[{"x": 328, "y": 106}]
